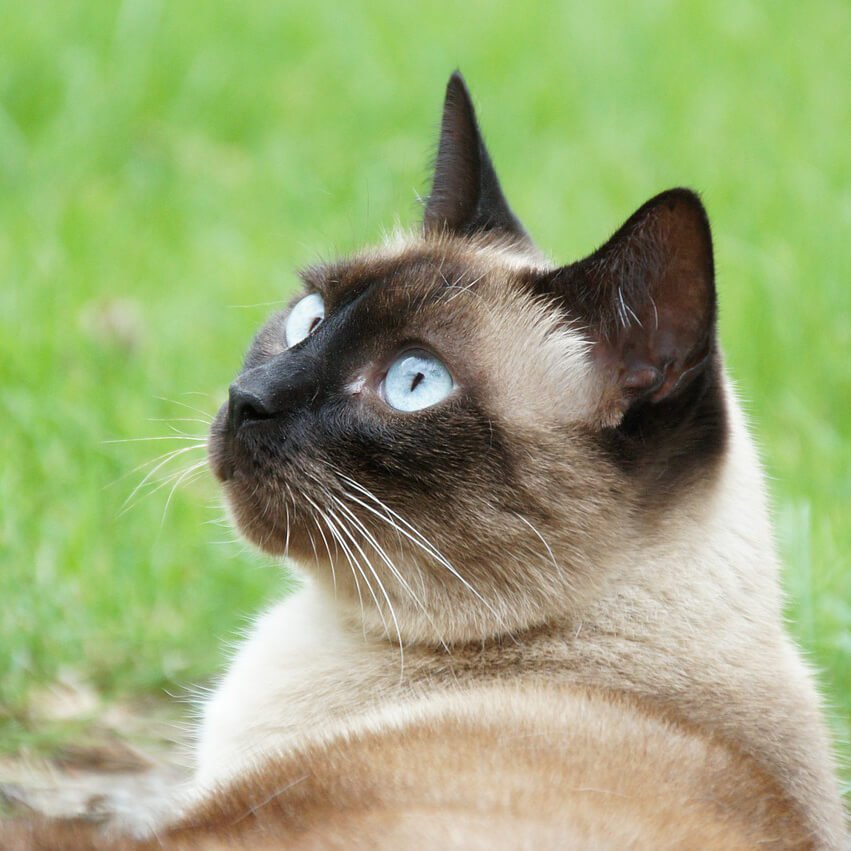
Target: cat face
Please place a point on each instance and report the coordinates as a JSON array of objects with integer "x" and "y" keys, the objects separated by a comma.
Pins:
[{"x": 460, "y": 438}]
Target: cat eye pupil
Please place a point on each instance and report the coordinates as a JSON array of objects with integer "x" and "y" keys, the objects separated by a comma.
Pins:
[{"x": 417, "y": 379}]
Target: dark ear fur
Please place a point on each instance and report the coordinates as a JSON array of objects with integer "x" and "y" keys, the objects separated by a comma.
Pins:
[
  {"x": 647, "y": 299},
  {"x": 466, "y": 197}
]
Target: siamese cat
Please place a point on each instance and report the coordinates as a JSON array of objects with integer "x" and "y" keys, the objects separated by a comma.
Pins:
[{"x": 540, "y": 603}]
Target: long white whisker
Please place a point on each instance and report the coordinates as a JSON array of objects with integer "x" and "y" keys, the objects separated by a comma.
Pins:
[
  {"x": 384, "y": 593},
  {"x": 369, "y": 494},
  {"x": 173, "y": 428},
  {"x": 178, "y": 420},
  {"x": 183, "y": 476},
  {"x": 342, "y": 545},
  {"x": 387, "y": 560},
  {"x": 267, "y": 505},
  {"x": 170, "y": 478},
  {"x": 199, "y": 440},
  {"x": 188, "y": 407},
  {"x": 287, "y": 510},
  {"x": 312, "y": 545},
  {"x": 424, "y": 543},
  {"x": 542, "y": 539},
  {"x": 322, "y": 533},
  {"x": 377, "y": 547},
  {"x": 166, "y": 456},
  {"x": 152, "y": 472},
  {"x": 344, "y": 531}
]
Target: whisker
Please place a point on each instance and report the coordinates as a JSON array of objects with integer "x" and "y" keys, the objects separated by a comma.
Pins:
[
  {"x": 423, "y": 543},
  {"x": 384, "y": 593},
  {"x": 162, "y": 483},
  {"x": 199, "y": 440},
  {"x": 258, "y": 304},
  {"x": 325, "y": 540},
  {"x": 312, "y": 545},
  {"x": 542, "y": 539},
  {"x": 342, "y": 529},
  {"x": 188, "y": 407},
  {"x": 152, "y": 472},
  {"x": 171, "y": 453},
  {"x": 341, "y": 544},
  {"x": 287, "y": 510},
  {"x": 186, "y": 474},
  {"x": 177, "y": 420},
  {"x": 387, "y": 560},
  {"x": 376, "y": 546}
]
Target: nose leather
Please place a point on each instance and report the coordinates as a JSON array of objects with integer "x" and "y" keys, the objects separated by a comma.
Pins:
[
  {"x": 245, "y": 404},
  {"x": 271, "y": 390}
]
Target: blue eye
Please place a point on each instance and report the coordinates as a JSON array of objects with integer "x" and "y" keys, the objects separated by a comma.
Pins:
[
  {"x": 416, "y": 380},
  {"x": 303, "y": 319}
]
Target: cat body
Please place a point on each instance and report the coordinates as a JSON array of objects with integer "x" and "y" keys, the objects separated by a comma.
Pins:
[
  {"x": 540, "y": 605},
  {"x": 692, "y": 626}
]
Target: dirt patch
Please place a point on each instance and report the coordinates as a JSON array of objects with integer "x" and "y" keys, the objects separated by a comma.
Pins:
[{"x": 128, "y": 760}]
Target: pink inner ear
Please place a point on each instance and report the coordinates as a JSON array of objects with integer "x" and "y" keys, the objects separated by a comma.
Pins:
[{"x": 642, "y": 379}]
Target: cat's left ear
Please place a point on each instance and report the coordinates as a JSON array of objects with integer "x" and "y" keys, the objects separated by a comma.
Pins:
[
  {"x": 646, "y": 300},
  {"x": 466, "y": 197}
]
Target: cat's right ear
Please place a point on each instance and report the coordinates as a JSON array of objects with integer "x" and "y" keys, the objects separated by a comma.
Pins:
[{"x": 466, "y": 197}]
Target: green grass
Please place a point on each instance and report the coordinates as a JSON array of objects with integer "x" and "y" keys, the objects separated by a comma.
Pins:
[{"x": 161, "y": 163}]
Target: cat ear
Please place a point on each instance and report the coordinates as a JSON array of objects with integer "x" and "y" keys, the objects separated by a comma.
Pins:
[
  {"x": 647, "y": 300},
  {"x": 466, "y": 197}
]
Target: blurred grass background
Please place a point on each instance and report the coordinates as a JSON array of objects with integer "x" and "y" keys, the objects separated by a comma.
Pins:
[{"x": 165, "y": 166}]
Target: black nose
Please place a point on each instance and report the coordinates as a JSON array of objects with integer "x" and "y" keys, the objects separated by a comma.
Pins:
[
  {"x": 274, "y": 390},
  {"x": 244, "y": 404}
]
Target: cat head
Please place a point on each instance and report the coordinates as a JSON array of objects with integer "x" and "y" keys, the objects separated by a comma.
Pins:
[{"x": 459, "y": 438}]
